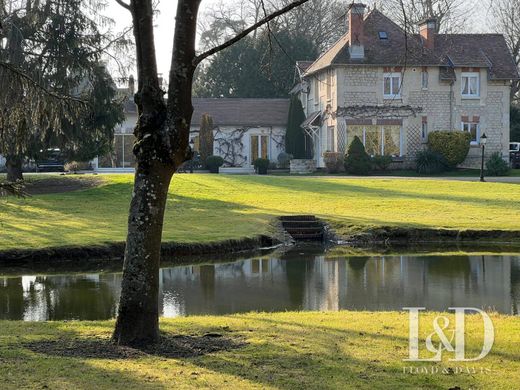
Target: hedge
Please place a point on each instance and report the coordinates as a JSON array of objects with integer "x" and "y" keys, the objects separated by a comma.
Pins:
[{"x": 452, "y": 145}]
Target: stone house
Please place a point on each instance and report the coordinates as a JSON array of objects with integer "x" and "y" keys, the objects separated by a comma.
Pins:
[
  {"x": 244, "y": 130},
  {"x": 391, "y": 89}
]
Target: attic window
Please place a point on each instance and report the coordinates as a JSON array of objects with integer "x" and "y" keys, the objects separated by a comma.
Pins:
[{"x": 383, "y": 35}]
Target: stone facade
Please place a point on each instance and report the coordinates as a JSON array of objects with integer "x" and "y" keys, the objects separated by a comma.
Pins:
[{"x": 439, "y": 104}]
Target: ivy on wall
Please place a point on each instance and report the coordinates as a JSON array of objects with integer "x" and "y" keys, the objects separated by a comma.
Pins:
[{"x": 230, "y": 145}]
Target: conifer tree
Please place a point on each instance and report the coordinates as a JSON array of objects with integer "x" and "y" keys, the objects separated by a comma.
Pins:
[
  {"x": 295, "y": 136},
  {"x": 206, "y": 137},
  {"x": 357, "y": 161}
]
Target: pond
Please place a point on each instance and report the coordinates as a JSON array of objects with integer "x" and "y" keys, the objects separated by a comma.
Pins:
[{"x": 298, "y": 280}]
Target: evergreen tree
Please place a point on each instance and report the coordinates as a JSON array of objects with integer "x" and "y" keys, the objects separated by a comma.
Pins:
[
  {"x": 92, "y": 134},
  {"x": 357, "y": 161},
  {"x": 295, "y": 142},
  {"x": 206, "y": 137},
  {"x": 49, "y": 58},
  {"x": 515, "y": 123},
  {"x": 254, "y": 68}
]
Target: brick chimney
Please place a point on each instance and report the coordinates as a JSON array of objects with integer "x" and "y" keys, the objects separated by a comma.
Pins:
[
  {"x": 356, "y": 30},
  {"x": 428, "y": 29}
]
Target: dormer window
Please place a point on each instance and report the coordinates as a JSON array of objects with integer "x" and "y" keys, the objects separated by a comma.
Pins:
[
  {"x": 470, "y": 84},
  {"x": 383, "y": 35}
]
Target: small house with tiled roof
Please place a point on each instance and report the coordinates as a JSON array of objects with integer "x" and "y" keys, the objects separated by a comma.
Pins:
[
  {"x": 391, "y": 88},
  {"x": 244, "y": 130}
]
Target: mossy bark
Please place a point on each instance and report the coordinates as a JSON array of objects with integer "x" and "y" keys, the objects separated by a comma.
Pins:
[
  {"x": 137, "y": 321},
  {"x": 161, "y": 146}
]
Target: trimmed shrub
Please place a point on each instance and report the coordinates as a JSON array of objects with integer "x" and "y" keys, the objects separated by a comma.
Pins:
[
  {"x": 381, "y": 163},
  {"x": 357, "y": 161},
  {"x": 333, "y": 161},
  {"x": 496, "y": 166},
  {"x": 452, "y": 145},
  {"x": 214, "y": 163},
  {"x": 75, "y": 166},
  {"x": 429, "y": 162},
  {"x": 284, "y": 160},
  {"x": 261, "y": 165}
]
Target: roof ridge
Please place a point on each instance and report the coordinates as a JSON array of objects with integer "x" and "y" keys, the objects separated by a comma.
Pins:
[
  {"x": 326, "y": 51},
  {"x": 470, "y": 34}
]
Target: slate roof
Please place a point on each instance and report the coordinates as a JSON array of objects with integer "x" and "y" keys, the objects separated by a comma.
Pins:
[
  {"x": 480, "y": 51},
  {"x": 235, "y": 112},
  {"x": 303, "y": 65},
  {"x": 242, "y": 112},
  {"x": 466, "y": 50}
]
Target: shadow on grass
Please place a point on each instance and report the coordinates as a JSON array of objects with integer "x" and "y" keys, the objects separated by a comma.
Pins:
[
  {"x": 320, "y": 187},
  {"x": 169, "y": 346}
]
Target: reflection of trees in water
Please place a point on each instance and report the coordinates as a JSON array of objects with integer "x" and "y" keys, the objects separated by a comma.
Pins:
[
  {"x": 207, "y": 281},
  {"x": 296, "y": 274},
  {"x": 357, "y": 263},
  {"x": 515, "y": 285},
  {"x": 12, "y": 304},
  {"x": 85, "y": 297},
  {"x": 449, "y": 266},
  {"x": 298, "y": 268}
]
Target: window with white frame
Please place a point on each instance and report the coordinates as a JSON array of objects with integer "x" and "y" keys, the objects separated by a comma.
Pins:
[
  {"x": 378, "y": 140},
  {"x": 331, "y": 144},
  {"x": 474, "y": 129},
  {"x": 392, "y": 85},
  {"x": 259, "y": 147},
  {"x": 424, "y": 131},
  {"x": 424, "y": 79},
  {"x": 470, "y": 84},
  {"x": 329, "y": 85}
]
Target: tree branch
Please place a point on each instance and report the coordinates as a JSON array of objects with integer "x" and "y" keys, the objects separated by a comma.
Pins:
[
  {"x": 247, "y": 31},
  {"x": 124, "y": 5},
  {"x": 14, "y": 70}
]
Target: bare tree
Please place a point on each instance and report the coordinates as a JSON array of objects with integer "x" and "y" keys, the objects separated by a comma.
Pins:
[
  {"x": 322, "y": 21},
  {"x": 162, "y": 145},
  {"x": 506, "y": 20},
  {"x": 452, "y": 15}
]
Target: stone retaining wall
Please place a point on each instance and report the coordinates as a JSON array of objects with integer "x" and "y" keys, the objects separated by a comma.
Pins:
[{"x": 301, "y": 167}]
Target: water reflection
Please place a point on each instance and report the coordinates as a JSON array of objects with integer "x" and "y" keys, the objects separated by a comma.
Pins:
[{"x": 293, "y": 281}]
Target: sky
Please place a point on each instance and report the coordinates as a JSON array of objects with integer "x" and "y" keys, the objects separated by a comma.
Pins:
[{"x": 165, "y": 24}]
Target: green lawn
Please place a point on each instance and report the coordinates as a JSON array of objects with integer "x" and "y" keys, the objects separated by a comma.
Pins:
[
  {"x": 462, "y": 172},
  {"x": 203, "y": 208},
  {"x": 342, "y": 350}
]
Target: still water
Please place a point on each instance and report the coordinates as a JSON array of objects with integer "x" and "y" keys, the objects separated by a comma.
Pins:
[{"x": 279, "y": 282}]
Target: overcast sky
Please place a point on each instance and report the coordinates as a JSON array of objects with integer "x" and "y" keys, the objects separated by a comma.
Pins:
[{"x": 165, "y": 23}]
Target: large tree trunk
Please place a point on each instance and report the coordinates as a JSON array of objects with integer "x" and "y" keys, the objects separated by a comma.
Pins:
[
  {"x": 14, "y": 168},
  {"x": 161, "y": 146},
  {"x": 137, "y": 322}
]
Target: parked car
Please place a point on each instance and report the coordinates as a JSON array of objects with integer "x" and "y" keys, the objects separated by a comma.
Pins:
[
  {"x": 50, "y": 160},
  {"x": 514, "y": 154}
]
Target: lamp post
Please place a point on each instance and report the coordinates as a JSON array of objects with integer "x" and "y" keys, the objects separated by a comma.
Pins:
[{"x": 483, "y": 141}]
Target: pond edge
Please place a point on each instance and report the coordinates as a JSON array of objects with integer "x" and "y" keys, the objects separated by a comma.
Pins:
[{"x": 377, "y": 237}]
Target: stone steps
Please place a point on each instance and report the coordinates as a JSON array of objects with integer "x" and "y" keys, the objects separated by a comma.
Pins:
[{"x": 303, "y": 227}]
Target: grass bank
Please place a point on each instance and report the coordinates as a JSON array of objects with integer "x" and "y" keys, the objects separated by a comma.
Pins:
[
  {"x": 343, "y": 350},
  {"x": 209, "y": 208}
]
